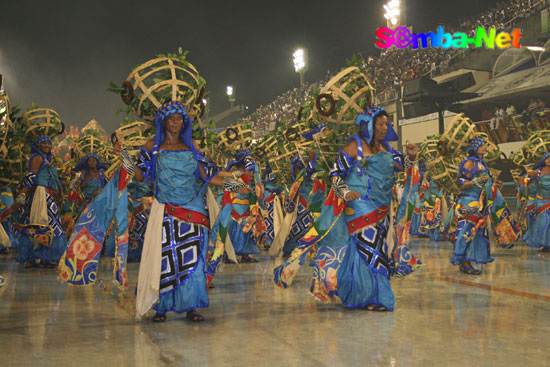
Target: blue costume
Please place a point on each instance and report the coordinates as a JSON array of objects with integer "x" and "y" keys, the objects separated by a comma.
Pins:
[
  {"x": 7, "y": 239},
  {"x": 432, "y": 215},
  {"x": 180, "y": 188},
  {"x": 353, "y": 257},
  {"x": 472, "y": 211},
  {"x": 538, "y": 233},
  {"x": 90, "y": 186},
  {"x": 44, "y": 241}
]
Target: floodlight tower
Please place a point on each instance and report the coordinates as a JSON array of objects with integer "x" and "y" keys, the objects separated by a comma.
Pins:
[
  {"x": 300, "y": 63},
  {"x": 231, "y": 94},
  {"x": 395, "y": 13}
]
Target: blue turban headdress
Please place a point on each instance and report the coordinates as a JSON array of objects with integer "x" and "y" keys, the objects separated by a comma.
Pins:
[
  {"x": 475, "y": 143},
  {"x": 34, "y": 147},
  {"x": 43, "y": 138},
  {"x": 240, "y": 159},
  {"x": 366, "y": 120},
  {"x": 186, "y": 132},
  {"x": 83, "y": 164}
]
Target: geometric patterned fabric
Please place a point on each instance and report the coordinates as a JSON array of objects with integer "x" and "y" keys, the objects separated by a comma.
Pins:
[{"x": 181, "y": 247}]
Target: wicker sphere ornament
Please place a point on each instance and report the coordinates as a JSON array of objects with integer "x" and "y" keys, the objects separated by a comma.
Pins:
[
  {"x": 90, "y": 144},
  {"x": 161, "y": 80},
  {"x": 429, "y": 148},
  {"x": 457, "y": 135},
  {"x": 40, "y": 121},
  {"x": 538, "y": 144},
  {"x": 493, "y": 152},
  {"x": 14, "y": 164},
  {"x": 133, "y": 136},
  {"x": 7, "y": 127},
  {"x": 346, "y": 95}
]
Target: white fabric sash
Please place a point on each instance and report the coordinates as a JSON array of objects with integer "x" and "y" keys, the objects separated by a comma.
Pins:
[{"x": 151, "y": 262}]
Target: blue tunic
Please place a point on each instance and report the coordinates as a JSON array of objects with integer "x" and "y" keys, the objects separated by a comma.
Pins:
[
  {"x": 184, "y": 241},
  {"x": 363, "y": 277},
  {"x": 538, "y": 235},
  {"x": 46, "y": 177},
  {"x": 471, "y": 207}
]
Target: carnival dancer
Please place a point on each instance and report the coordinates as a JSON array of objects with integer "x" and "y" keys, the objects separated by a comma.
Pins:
[
  {"x": 351, "y": 234},
  {"x": 529, "y": 212},
  {"x": 538, "y": 233},
  {"x": 92, "y": 178},
  {"x": 305, "y": 199},
  {"x": 302, "y": 181},
  {"x": 271, "y": 205},
  {"x": 172, "y": 274},
  {"x": 7, "y": 237},
  {"x": 138, "y": 208},
  {"x": 42, "y": 240},
  {"x": 522, "y": 198},
  {"x": 432, "y": 213},
  {"x": 472, "y": 211},
  {"x": 238, "y": 211}
]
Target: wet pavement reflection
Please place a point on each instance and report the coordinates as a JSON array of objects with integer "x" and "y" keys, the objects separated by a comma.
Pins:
[{"x": 442, "y": 317}]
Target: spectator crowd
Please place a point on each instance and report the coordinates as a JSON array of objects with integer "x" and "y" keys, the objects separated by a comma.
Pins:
[{"x": 394, "y": 66}]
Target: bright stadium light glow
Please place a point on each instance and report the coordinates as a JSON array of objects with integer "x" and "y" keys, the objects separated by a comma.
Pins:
[
  {"x": 299, "y": 60},
  {"x": 229, "y": 90},
  {"x": 392, "y": 12}
]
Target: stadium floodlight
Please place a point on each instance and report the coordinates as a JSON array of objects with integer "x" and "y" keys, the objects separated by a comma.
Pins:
[
  {"x": 299, "y": 60},
  {"x": 300, "y": 63},
  {"x": 536, "y": 48},
  {"x": 231, "y": 94},
  {"x": 392, "y": 13}
]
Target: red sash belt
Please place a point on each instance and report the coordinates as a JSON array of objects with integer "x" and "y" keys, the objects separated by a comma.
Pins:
[
  {"x": 187, "y": 215},
  {"x": 5, "y": 214},
  {"x": 543, "y": 208},
  {"x": 368, "y": 219}
]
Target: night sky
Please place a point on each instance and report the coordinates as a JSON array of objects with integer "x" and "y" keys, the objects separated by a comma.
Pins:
[{"x": 62, "y": 54}]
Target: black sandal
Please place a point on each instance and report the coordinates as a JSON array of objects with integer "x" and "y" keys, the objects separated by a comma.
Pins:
[
  {"x": 376, "y": 308},
  {"x": 194, "y": 316},
  {"x": 470, "y": 270},
  {"x": 159, "y": 317},
  {"x": 545, "y": 250}
]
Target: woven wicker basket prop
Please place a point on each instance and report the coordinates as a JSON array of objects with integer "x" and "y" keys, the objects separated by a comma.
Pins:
[
  {"x": 493, "y": 152},
  {"x": 14, "y": 164},
  {"x": 538, "y": 144},
  {"x": 344, "y": 97},
  {"x": 457, "y": 135},
  {"x": 90, "y": 144},
  {"x": 234, "y": 138},
  {"x": 6, "y": 125},
  {"x": 428, "y": 149},
  {"x": 519, "y": 158},
  {"x": 444, "y": 171},
  {"x": 133, "y": 136},
  {"x": 40, "y": 121},
  {"x": 161, "y": 80}
]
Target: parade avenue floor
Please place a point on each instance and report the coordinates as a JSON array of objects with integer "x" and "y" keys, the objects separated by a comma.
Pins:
[{"x": 441, "y": 318}]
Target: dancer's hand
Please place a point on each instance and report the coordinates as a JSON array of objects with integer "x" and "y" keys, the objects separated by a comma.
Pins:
[
  {"x": 244, "y": 190},
  {"x": 351, "y": 196}
]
